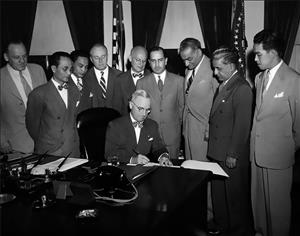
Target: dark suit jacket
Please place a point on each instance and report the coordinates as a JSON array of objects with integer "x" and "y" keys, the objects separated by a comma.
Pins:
[
  {"x": 49, "y": 123},
  {"x": 91, "y": 91},
  {"x": 230, "y": 121},
  {"x": 121, "y": 140},
  {"x": 123, "y": 90}
]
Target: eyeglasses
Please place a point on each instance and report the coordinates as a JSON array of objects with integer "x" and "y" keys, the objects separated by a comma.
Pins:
[{"x": 140, "y": 109}]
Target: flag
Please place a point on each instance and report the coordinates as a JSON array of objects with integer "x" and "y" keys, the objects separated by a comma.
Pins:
[
  {"x": 118, "y": 36},
  {"x": 239, "y": 41}
]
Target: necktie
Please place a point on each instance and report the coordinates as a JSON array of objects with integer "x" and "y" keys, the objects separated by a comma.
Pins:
[
  {"x": 79, "y": 84},
  {"x": 136, "y": 123},
  {"x": 189, "y": 82},
  {"x": 221, "y": 86},
  {"x": 25, "y": 84},
  {"x": 140, "y": 75},
  {"x": 265, "y": 81},
  {"x": 160, "y": 84},
  {"x": 102, "y": 85},
  {"x": 63, "y": 86}
]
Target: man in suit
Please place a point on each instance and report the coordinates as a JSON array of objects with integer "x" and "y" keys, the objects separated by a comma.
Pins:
[
  {"x": 229, "y": 135},
  {"x": 80, "y": 65},
  {"x": 126, "y": 82},
  {"x": 51, "y": 111},
  {"x": 167, "y": 98},
  {"x": 274, "y": 136},
  {"x": 134, "y": 138},
  {"x": 17, "y": 79},
  {"x": 200, "y": 87},
  {"x": 99, "y": 82}
]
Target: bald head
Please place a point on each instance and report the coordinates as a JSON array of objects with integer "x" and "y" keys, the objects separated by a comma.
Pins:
[{"x": 138, "y": 58}]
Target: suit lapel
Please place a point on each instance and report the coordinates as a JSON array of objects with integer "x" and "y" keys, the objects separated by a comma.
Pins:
[
  {"x": 110, "y": 83},
  {"x": 55, "y": 96},
  {"x": 167, "y": 84},
  {"x": 225, "y": 93},
  {"x": 12, "y": 86}
]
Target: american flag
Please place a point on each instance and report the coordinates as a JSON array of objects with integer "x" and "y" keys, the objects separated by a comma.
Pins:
[
  {"x": 118, "y": 36},
  {"x": 238, "y": 32}
]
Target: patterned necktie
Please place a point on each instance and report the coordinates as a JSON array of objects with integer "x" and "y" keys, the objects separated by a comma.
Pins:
[
  {"x": 136, "y": 123},
  {"x": 189, "y": 82},
  {"x": 160, "y": 84},
  {"x": 25, "y": 84},
  {"x": 140, "y": 75},
  {"x": 79, "y": 84},
  {"x": 102, "y": 85},
  {"x": 63, "y": 86}
]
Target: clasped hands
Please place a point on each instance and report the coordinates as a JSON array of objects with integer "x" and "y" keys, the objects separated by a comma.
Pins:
[{"x": 142, "y": 159}]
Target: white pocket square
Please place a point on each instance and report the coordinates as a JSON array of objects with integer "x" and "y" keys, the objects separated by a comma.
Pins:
[
  {"x": 150, "y": 138},
  {"x": 279, "y": 95},
  {"x": 91, "y": 95},
  {"x": 77, "y": 103}
]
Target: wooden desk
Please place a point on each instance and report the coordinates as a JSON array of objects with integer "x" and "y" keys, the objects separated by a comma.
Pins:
[{"x": 171, "y": 202}]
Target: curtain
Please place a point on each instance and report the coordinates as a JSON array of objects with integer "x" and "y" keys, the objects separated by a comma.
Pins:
[
  {"x": 215, "y": 22},
  {"x": 283, "y": 16},
  {"x": 147, "y": 21},
  {"x": 85, "y": 19},
  {"x": 17, "y": 21}
]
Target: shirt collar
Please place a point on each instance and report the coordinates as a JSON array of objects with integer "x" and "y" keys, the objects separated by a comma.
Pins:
[
  {"x": 162, "y": 76},
  {"x": 226, "y": 81},
  {"x": 273, "y": 71}
]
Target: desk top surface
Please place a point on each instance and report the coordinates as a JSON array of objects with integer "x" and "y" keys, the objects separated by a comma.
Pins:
[{"x": 166, "y": 197}]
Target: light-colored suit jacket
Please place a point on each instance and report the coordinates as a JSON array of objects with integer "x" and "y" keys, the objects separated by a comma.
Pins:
[
  {"x": 51, "y": 125},
  {"x": 166, "y": 108},
  {"x": 276, "y": 125},
  {"x": 12, "y": 110},
  {"x": 198, "y": 103}
]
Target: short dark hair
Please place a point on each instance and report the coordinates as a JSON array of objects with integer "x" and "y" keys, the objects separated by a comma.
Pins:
[
  {"x": 157, "y": 48},
  {"x": 270, "y": 40},
  {"x": 189, "y": 43},
  {"x": 55, "y": 57},
  {"x": 229, "y": 55},
  {"x": 78, "y": 53}
]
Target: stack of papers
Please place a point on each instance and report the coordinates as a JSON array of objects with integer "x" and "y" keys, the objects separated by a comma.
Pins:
[{"x": 53, "y": 166}]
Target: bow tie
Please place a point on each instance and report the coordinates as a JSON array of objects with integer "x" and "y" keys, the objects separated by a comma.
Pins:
[
  {"x": 136, "y": 123},
  {"x": 140, "y": 75},
  {"x": 63, "y": 86}
]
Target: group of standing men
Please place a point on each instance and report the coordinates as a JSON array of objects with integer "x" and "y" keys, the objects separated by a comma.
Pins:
[{"x": 216, "y": 120}]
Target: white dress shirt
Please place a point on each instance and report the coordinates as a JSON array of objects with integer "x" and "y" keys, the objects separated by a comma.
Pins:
[
  {"x": 63, "y": 93},
  {"x": 137, "y": 129}
]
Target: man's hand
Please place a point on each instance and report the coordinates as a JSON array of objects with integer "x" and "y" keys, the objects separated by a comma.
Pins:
[
  {"x": 139, "y": 159},
  {"x": 164, "y": 161},
  {"x": 230, "y": 162}
]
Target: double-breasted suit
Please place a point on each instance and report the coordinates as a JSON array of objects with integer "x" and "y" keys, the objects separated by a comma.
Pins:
[
  {"x": 275, "y": 137},
  {"x": 123, "y": 90},
  {"x": 121, "y": 140},
  {"x": 12, "y": 110},
  {"x": 229, "y": 135},
  {"x": 92, "y": 93},
  {"x": 51, "y": 125},
  {"x": 198, "y": 103},
  {"x": 166, "y": 108}
]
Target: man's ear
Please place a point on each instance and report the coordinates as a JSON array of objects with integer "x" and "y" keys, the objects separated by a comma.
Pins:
[
  {"x": 5, "y": 57},
  {"x": 274, "y": 52},
  {"x": 53, "y": 68},
  {"x": 166, "y": 61},
  {"x": 130, "y": 105},
  {"x": 130, "y": 58}
]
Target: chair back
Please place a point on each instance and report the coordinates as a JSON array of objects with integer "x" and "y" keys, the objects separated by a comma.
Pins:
[{"x": 91, "y": 126}]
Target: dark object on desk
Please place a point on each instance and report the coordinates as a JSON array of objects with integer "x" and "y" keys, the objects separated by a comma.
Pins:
[
  {"x": 137, "y": 172},
  {"x": 91, "y": 125}
]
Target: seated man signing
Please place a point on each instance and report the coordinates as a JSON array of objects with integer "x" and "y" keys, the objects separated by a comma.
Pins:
[{"x": 134, "y": 138}]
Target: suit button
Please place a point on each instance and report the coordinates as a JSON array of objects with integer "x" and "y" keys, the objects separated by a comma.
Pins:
[
  {"x": 161, "y": 110},
  {"x": 58, "y": 117},
  {"x": 62, "y": 130},
  {"x": 221, "y": 111},
  {"x": 257, "y": 135},
  {"x": 21, "y": 103}
]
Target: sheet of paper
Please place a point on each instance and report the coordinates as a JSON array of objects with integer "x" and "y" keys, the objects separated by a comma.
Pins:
[
  {"x": 53, "y": 166},
  {"x": 215, "y": 168}
]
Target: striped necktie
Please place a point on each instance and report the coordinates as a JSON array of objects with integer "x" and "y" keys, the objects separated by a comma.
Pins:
[
  {"x": 189, "y": 82},
  {"x": 102, "y": 85}
]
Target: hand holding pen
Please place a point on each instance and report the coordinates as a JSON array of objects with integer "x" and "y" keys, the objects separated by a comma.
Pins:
[{"x": 139, "y": 158}]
